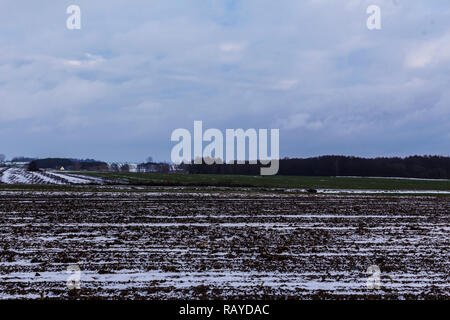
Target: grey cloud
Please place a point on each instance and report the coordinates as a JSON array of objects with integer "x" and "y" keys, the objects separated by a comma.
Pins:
[{"x": 139, "y": 69}]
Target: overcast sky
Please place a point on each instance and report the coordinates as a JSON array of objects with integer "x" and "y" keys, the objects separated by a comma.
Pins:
[{"x": 138, "y": 69}]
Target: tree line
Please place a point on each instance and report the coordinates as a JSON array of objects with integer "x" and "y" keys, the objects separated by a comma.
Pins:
[
  {"x": 427, "y": 167},
  {"x": 69, "y": 164}
]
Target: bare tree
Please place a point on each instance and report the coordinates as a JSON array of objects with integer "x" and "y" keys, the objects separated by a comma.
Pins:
[
  {"x": 114, "y": 167},
  {"x": 32, "y": 166},
  {"x": 149, "y": 159},
  {"x": 2, "y": 157},
  {"x": 77, "y": 166}
]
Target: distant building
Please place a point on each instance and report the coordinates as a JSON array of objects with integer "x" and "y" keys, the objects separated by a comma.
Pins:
[
  {"x": 122, "y": 167},
  {"x": 15, "y": 164},
  {"x": 160, "y": 168},
  {"x": 148, "y": 167},
  {"x": 177, "y": 169}
]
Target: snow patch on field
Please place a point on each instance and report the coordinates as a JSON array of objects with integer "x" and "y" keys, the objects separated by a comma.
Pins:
[
  {"x": 329, "y": 191},
  {"x": 70, "y": 179},
  {"x": 22, "y": 176},
  {"x": 86, "y": 178}
]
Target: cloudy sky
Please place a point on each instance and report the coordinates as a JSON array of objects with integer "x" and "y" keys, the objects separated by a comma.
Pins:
[{"x": 138, "y": 69}]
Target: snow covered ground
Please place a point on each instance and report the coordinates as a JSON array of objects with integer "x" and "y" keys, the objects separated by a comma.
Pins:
[
  {"x": 222, "y": 245},
  {"x": 351, "y": 191},
  {"x": 22, "y": 176}
]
